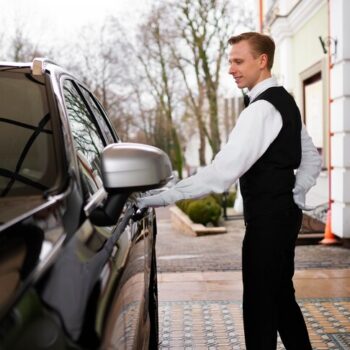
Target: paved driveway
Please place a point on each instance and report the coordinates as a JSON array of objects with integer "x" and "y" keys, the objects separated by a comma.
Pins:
[{"x": 200, "y": 290}]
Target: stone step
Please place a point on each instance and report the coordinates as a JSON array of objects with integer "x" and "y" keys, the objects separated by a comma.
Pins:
[{"x": 309, "y": 238}]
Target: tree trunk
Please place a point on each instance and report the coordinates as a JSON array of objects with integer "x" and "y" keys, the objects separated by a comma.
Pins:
[
  {"x": 214, "y": 122},
  {"x": 178, "y": 161},
  {"x": 202, "y": 147}
]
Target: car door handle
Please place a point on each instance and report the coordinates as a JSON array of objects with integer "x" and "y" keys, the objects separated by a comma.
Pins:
[{"x": 139, "y": 214}]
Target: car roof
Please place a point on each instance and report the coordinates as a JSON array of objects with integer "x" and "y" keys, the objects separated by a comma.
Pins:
[
  {"x": 39, "y": 66},
  {"x": 15, "y": 64}
]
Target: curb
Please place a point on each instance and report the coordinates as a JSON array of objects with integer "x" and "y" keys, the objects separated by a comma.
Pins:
[{"x": 183, "y": 223}]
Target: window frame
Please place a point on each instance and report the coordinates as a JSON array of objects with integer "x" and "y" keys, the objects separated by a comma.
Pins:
[
  {"x": 315, "y": 78},
  {"x": 92, "y": 197},
  {"x": 103, "y": 113}
]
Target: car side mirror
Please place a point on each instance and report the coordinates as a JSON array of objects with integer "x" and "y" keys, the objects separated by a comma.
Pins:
[{"x": 131, "y": 167}]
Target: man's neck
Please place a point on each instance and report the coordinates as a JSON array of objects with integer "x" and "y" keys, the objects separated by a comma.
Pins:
[
  {"x": 264, "y": 75},
  {"x": 261, "y": 86}
]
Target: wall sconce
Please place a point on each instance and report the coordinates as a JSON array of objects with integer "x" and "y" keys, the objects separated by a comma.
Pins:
[{"x": 329, "y": 43}]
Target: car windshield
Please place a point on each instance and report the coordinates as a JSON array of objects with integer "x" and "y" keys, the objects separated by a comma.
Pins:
[{"x": 27, "y": 158}]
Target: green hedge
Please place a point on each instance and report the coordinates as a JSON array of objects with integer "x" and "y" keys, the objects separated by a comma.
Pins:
[
  {"x": 220, "y": 198},
  {"x": 207, "y": 209}
]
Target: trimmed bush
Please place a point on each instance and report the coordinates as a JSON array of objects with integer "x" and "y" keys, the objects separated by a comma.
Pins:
[
  {"x": 205, "y": 210},
  {"x": 183, "y": 204},
  {"x": 219, "y": 197},
  {"x": 231, "y": 199}
]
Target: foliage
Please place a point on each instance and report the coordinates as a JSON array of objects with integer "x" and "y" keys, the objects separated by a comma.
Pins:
[
  {"x": 205, "y": 210},
  {"x": 183, "y": 204},
  {"x": 230, "y": 199},
  {"x": 153, "y": 53},
  {"x": 150, "y": 81}
]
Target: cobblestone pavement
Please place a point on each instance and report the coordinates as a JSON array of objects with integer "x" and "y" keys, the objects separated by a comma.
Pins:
[
  {"x": 205, "y": 312},
  {"x": 178, "y": 252},
  {"x": 218, "y": 324}
]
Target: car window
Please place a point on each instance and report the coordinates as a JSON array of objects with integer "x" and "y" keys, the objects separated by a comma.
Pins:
[
  {"x": 87, "y": 139},
  {"x": 27, "y": 156},
  {"x": 99, "y": 115}
]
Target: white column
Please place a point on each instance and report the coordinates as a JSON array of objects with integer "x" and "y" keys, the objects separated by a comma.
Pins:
[
  {"x": 340, "y": 117},
  {"x": 282, "y": 35},
  {"x": 287, "y": 63}
]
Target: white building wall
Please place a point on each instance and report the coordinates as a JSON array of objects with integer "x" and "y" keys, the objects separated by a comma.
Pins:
[
  {"x": 297, "y": 45},
  {"x": 340, "y": 117},
  {"x": 287, "y": 63},
  {"x": 286, "y": 6},
  {"x": 296, "y": 35}
]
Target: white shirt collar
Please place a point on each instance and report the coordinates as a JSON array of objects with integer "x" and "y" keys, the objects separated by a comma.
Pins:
[{"x": 261, "y": 87}]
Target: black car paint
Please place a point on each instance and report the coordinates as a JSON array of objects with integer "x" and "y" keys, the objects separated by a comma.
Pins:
[{"x": 64, "y": 298}]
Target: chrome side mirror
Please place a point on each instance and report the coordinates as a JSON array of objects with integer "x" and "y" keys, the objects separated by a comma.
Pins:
[{"x": 134, "y": 167}]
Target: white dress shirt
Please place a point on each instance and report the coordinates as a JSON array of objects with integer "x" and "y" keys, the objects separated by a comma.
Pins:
[{"x": 257, "y": 127}]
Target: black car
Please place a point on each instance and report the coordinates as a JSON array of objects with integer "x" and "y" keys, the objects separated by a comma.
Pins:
[{"x": 77, "y": 257}]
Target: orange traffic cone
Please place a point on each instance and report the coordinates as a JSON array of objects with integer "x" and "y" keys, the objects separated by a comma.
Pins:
[{"x": 329, "y": 237}]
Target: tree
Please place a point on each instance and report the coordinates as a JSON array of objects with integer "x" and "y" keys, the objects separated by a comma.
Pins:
[
  {"x": 19, "y": 44},
  {"x": 181, "y": 47},
  {"x": 100, "y": 60},
  {"x": 204, "y": 27},
  {"x": 154, "y": 56},
  {"x": 97, "y": 60},
  {"x": 195, "y": 96}
]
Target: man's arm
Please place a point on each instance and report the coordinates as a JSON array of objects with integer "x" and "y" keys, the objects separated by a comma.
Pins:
[
  {"x": 256, "y": 128},
  {"x": 308, "y": 171}
]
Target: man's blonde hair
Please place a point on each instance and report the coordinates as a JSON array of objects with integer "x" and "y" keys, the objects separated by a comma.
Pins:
[{"x": 260, "y": 44}]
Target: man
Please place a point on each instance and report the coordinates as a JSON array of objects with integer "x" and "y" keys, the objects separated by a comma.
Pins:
[{"x": 266, "y": 145}]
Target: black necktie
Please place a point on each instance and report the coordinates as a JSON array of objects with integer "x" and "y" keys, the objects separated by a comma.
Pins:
[{"x": 246, "y": 100}]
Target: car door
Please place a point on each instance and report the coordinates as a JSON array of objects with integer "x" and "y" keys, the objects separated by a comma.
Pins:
[
  {"x": 125, "y": 310},
  {"x": 89, "y": 275},
  {"x": 76, "y": 274}
]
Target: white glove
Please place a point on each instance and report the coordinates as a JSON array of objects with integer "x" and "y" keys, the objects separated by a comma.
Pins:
[
  {"x": 299, "y": 196},
  {"x": 159, "y": 199}
]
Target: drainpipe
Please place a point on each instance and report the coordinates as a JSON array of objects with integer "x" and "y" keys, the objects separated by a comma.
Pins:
[
  {"x": 261, "y": 22},
  {"x": 329, "y": 237}
]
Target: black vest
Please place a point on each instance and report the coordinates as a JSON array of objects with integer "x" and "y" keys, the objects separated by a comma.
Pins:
[{"x": 267, "y": 186}]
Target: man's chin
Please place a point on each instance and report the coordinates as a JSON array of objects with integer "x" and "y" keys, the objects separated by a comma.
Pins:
[
  {"x": 244, "y": 86},
  {"x": 241, "y": 85}
]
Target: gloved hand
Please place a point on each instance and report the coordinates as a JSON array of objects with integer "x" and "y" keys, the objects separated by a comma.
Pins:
[
  {"x": 159, "y": 198},
  {"x": 299, "y": 196}
]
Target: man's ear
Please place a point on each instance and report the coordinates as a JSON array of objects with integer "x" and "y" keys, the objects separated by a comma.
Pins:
[{"x": 263, "y": 61}]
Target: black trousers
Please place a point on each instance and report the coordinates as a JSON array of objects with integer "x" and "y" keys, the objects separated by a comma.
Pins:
[{"x": 269, "y": 304}]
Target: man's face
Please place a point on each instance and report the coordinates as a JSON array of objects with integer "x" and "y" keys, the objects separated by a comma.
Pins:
[{"x": 246, "y": 67}]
